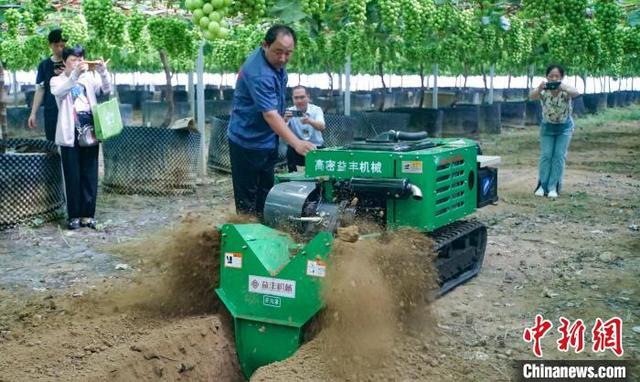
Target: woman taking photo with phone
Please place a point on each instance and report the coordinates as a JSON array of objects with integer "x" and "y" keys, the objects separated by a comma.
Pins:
[
  {"x": 76, "y": 89},
  {"x": 555, "y": 130}
]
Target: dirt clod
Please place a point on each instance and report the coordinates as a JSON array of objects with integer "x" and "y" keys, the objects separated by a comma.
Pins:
[{"x": 349, "y": 234}]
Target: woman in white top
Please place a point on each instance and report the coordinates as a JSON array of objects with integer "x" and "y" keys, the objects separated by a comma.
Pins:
[
  {"x": 75, "y": 91},
  {"x": 555, "y": 130}
]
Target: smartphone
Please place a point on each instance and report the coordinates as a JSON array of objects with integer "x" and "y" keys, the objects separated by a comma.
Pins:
[
  {"x": 297, "y": 113},
  {"x": 92, "y": 65},
  {"x": 552, "y": 85}
]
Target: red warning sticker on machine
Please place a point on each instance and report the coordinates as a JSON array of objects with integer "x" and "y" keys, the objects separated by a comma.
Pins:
[
  {"x": 233, "y": 260},
  {"x": 316, "y": 268},
  {"x": 272, "y": 286}
]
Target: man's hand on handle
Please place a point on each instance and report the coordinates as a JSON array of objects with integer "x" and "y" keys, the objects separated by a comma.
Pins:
[{"x": 303, "y": 147}]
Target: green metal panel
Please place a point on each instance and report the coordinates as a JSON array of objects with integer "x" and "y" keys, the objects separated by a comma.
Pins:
[
  {"x": 344, "y": 164},
  {"x": 261, "y": 343},
  {"x": 291, "y": 176},
  {"x": 267, "y": 279},
  {"x": 442, "y": 173},
  {"x": 271, "y": 248},
  {"x": 448, "y": 195}
]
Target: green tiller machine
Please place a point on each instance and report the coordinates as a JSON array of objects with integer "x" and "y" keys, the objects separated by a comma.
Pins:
[{"x": 271, "y": 284}]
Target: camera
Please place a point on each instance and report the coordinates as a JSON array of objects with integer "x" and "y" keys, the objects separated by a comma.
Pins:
[
  {"x": 297, "y": 113},
  {"x": 552, "y": 85}
]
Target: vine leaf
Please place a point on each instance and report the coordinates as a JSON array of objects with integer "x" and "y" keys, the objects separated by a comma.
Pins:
[{"x": 289, "y": 11}]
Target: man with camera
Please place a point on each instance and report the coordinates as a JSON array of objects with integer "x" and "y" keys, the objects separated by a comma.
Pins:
[
  {"x": 48, "y": 68},
  {"x": 306, "y": 120}
]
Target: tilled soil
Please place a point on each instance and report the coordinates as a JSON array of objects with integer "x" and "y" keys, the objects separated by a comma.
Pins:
[{"x": 67, "y": 313}]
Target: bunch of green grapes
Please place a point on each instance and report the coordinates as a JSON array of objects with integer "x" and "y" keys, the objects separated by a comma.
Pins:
[
  {"x": 75, "y": 30},
  {"x": 556, "y": 37},
  {"x": 447, "y": 52},
  {"x": 104, "y": 21},
  {"x": 22, "y": 52},
  {"x": 95, "y": 12},
  {"x": 28, "y": 23},
  {"x": 11, "y": 53},
  {"x": 173, "y": 36},
  {"x": 589, "y": 40},
  {"x": 516, "y": 44},
  {"x": 632, "y": 40},
  {"x": 608, "y": 16},
  {"x": 389, "y": 12},
  {"x": 575, "y": 10},
  {"x": 34, "y": 48},
  {"x": 322, "y": 6},
  {"x": 631, "y": 44},
  {"x": 135, "y": 26},
  {"x": 535, "y": 8},
  {"x": 38, "y": 9},
  {"x": 12, "y": 20},
  {"x": 252, "y": 10},
  {"x": 312, "y": 7},
  {"x": 414, "y": 20},
  {"x": 223, "y": 55},
  {"x": 466, "y": 31},
  {"x": 491, "y": 45},
  {"x": 339, "y": 45},
  {"x": 442, "y": 16},
  {"x": 357, "y": 11},
  {"x": 208, "y": 16}
]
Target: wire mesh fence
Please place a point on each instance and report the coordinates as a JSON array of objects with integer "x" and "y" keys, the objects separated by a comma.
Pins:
[
  {"x": 339, "y": 131},
  {"x": 373, "y": 123},
  {"x": 219, "y": 144},
  {"x": 31, "y": 185},
  {"x": 151, "y": 161}
]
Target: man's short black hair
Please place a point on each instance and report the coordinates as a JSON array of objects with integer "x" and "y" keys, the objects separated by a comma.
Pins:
[
  {"x": 554, "y": 66},
  {"x": 55, "y": 36},
  {"x": 299, "y": 87},
  {"x": 77, "y": 51},
  {"x": 278, "y": 29}
]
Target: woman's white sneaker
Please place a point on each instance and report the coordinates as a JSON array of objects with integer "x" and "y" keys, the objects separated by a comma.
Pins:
[
  {"x": 539, "y": 192},
  {"x": 552, "y": 194}
]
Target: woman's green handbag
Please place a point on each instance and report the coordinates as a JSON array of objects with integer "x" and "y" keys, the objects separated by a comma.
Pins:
[{"x": 107, "y": 120}]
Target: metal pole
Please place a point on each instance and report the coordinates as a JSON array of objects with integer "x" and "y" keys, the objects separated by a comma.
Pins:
[
  {"x": 192, "y": 95},
  {"x": 347, "y": 86},
  {"x": 492, "y": 72},
  {"x": 434, "y": 101},
  {"x": 15, "y": 89},
  {"x": 200, "y": 117}
]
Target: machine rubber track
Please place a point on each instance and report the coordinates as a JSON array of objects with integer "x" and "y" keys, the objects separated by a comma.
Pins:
[{"x": 460, "y": 247}]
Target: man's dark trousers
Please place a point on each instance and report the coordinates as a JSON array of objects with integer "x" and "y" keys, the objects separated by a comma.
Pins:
[
  {"x": 80, "y": 167},
  {"x": 50, "y": 122},
  {"x": 252, "y": 173}
]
